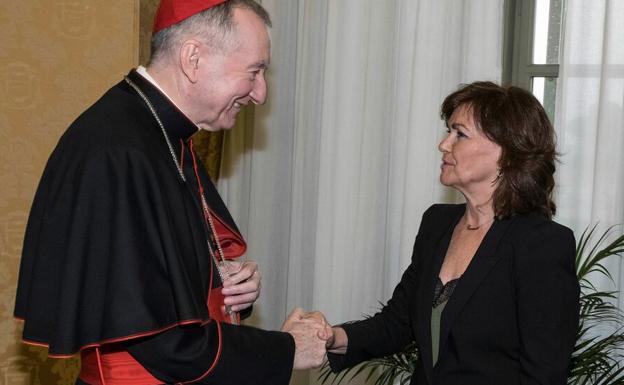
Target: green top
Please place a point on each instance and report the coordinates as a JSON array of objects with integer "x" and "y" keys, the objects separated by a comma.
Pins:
[
  {"x": 436, "y": 317},
  {"x": 441, "y": 295}
]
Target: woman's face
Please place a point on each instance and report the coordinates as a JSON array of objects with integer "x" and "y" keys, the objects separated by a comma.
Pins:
[{"x": 469, "y": 158}]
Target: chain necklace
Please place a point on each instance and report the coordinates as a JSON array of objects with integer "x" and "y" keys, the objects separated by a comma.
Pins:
[
  {"x": 477, "y": 227},
  {"x": 219, "y": 261},
  {"x": 221, "y": 265},
  {"x": 160, "y": 124}
]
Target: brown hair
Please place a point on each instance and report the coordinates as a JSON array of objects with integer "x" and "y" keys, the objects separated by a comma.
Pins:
[{"x": 514, "y": 119}]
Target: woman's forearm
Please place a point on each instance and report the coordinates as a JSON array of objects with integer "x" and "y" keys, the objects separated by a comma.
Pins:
[{"x": 340, "y": 341}]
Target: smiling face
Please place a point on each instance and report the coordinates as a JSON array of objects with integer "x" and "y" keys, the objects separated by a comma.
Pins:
[
  {"x": 231, "y": 79},
  {"x": 469, "y": 157}
]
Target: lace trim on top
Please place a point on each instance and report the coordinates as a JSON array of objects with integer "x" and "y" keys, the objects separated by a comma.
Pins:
[{"x": 441, "y": 292}]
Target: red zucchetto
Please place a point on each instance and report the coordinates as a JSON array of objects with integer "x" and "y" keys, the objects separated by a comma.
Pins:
[{"x": 171, "y": 12}]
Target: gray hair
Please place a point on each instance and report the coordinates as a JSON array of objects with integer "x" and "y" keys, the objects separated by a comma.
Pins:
[{"x": 215, "y": 27}]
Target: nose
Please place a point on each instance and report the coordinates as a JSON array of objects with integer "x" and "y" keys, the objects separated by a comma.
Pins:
[
  {"x": 258, "y": 93},
  {"x": 445, "y": 144}
]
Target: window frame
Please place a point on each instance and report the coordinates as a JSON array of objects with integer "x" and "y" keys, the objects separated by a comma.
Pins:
[{"x": 518, "y": 67}]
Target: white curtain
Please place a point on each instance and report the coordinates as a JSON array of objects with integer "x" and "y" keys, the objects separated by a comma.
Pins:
[
  {"x": 330, "y": 183},
  {"x": 590, "y": 121}
]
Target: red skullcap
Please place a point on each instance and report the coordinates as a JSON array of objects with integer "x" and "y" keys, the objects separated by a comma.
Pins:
[{"x": 171, "y": 12}]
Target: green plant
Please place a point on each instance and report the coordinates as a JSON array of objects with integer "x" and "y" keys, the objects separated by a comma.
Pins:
[
  {"x": 597, "y": 358},
  {"x": 396, "y": 367}
]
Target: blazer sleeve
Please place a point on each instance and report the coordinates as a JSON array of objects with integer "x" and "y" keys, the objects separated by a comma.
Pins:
[
  {"x": 388, "y": 331},
  {"x": 547, "y": 294},
  {"x": 191, "y": 354}
]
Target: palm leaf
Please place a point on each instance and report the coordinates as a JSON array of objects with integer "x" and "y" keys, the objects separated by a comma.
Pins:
[{"x": 597, "y": 359}]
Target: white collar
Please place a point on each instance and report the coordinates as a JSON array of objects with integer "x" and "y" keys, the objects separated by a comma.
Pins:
[{"x": 141, "y": 70}]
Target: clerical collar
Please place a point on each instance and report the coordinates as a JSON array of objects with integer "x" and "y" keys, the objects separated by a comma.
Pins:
[
  {"x": 141, "y": 70},
  {"x": 176, "y": 123}
]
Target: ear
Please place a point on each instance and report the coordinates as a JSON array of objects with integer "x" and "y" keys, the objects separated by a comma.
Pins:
[{"x": 189, "y": 59}]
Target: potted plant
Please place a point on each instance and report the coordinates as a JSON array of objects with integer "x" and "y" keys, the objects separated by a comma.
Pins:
[{"x": 597, "y": 358}]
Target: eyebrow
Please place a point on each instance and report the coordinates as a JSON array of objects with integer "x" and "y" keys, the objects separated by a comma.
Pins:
[
  {"x": 458, "y": 125},
  {"x": 262, "y": 65}
]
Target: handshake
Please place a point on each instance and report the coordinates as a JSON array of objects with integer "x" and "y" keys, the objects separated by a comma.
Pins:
[{"x": 313, "y": 338}]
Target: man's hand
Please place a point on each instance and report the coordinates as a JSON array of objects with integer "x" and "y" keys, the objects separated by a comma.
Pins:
[
  {"x": 310, "y": 331},
  {"x": 335, "y": 337},
  {"x": 326, "y": 333},
  {"x": 242, "y": 288}
]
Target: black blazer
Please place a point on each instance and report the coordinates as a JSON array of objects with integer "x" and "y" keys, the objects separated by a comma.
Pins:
[{"x": 512, "y": 318}]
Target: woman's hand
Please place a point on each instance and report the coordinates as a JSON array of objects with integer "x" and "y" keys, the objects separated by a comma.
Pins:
[
  {"x": 335, "y": 337},
  {"x": 325, "y": 332}
]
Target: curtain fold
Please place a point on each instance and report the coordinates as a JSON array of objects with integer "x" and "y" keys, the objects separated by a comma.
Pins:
[{"x": 590, "y": 122}]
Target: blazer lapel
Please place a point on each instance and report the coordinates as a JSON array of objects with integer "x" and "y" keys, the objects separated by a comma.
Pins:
[
  {"x": 484, "y": 259},
  {"x": 437, "y": 249}
]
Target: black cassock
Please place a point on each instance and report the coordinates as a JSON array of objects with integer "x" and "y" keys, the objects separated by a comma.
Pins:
[{"x": 116, "y": 250}]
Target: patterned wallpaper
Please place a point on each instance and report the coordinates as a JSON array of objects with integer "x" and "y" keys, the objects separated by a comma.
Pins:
[
  {"x": 147, "y": 12},
  {"x": 56, "y": 58}
]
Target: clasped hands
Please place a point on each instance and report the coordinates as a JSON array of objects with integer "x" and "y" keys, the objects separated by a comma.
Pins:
[
  {"x": 313, "y": 336},
  {"x": 312, "y": 333}
]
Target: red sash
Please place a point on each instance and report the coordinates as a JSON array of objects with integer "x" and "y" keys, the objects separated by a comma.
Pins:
[{"x": 117, "y": 367}]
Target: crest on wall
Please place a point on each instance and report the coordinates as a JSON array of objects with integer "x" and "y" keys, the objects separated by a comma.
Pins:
[
  {"x": 13, "y": 233},
  {"x": 75, "y": 18},
  {"x": 19, "y": 88}
]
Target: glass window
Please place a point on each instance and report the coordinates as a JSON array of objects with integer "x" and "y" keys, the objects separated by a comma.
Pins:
[
  {"x": 547, "y": 31},
  {"x": 545, "y": 90}
]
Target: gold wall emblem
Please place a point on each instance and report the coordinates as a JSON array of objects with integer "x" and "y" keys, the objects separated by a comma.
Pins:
[
  {"x": 75, "y": 18},
  {"x": 19, "y": 87}
]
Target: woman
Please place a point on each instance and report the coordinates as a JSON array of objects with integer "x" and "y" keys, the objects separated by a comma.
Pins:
[{"x": 491, "y": 295}]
